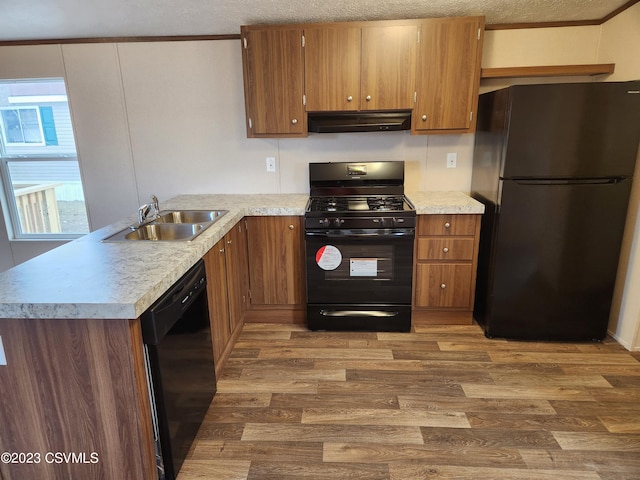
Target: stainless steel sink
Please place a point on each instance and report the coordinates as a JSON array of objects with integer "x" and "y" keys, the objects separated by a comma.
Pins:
[
  {"x": 189, "y": 216},
  {"x": 170, "y": 225},
  {"x": 165, "y": 231}
]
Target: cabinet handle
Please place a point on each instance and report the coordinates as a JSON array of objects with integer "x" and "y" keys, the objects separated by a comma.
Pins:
[
  {"x": 443, "y": 286},
  {"x": 445, "y": 250},
  {"x": 222, "y": 250},
  {"x": 228, "y": 242},
  {"x": 294, "y": 121},
  {"x": 424, "y": 118},
  {"x": 291, "y": 227},
  {"x": 368, "y": 98},
  {"x": 447, "y": 225},
  {"x": 349, "y": 98}
]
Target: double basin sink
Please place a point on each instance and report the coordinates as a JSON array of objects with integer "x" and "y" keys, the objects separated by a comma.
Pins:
[{"x": 170, "y": 225}]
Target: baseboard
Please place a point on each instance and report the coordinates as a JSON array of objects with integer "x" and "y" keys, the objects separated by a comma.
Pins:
[{"x": 441, "y": 317}]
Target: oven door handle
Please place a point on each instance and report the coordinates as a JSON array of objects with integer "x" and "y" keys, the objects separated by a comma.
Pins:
[
  {"x": 357, "y": 313},
  {"x": 387, "y": 233}
]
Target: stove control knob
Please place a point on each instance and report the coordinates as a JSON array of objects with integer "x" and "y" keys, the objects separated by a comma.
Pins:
[
  {"x": 325, "y": 222},
  {"x": 338, "y": 222}
]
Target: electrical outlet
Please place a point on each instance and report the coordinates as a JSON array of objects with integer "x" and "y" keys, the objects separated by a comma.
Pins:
[
  {"x": 271, "y": 164},
  {"x": 452, "y": 159}
]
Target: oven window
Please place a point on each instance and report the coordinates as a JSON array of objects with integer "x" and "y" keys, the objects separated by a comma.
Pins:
[
  {"x": 359, "y": 269},
  {"x": 359, "y": 262}
]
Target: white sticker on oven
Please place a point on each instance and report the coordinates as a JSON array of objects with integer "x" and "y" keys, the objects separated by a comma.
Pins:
[
  {"x": 328, "y": 257},
  {"x": 363, "y": 267}
]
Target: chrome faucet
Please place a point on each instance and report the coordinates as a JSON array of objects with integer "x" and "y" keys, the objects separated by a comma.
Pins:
[
  {"x": 156, "y": 206},
  {"x": 145, "y": 210}
]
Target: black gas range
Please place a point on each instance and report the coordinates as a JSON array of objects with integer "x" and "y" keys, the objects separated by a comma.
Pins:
[
  {"x": 359, "y": 233},
  {"x": 355, "y": 211}
]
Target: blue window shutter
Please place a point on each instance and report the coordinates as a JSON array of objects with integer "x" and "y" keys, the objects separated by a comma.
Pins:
[{"x": 48, "y": 126}]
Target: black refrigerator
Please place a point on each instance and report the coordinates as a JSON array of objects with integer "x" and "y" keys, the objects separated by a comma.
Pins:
[{"x": 553, "y": 165}]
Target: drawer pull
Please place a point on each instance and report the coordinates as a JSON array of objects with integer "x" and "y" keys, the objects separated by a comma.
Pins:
[
  {"x": 443, "y": 286},
  {"x": 445, "y": 250},
  {"x": 447, "y": 225}
]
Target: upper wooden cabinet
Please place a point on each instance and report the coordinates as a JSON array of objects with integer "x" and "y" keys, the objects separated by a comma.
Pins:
[
  {"x": 273, "y": 67},
  {"x": 430, "y": 66},
  {"x": 448, "y": 75},
  {"x": 332, "y": 68},
  {"x": 351, "y": 67}
]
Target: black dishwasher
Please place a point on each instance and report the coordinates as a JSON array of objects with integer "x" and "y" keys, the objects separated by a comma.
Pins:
[{"x": 180, "y": 367}]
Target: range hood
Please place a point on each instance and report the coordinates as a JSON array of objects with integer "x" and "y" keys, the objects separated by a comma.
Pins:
[{"x": 330, "y": 122}]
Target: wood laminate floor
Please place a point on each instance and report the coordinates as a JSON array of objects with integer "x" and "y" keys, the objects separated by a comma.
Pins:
[{"x": 441, "y": 403}]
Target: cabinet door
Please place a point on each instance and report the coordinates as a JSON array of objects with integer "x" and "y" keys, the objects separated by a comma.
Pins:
[
  {"x": 461, "y": 225},
  {"x": 448, "y": 74},
  {"x": 332, "y": 68},
  {"x": 276, "y": 259},
  {"x": 216, "y": 270},
  {"x": 388, "y": 67},
  {"x": 237, "y": 263},
  {"x": 273, "y": 66},
  {"x": 444, "y": 285},
  {"x": 449, "y": 248}
]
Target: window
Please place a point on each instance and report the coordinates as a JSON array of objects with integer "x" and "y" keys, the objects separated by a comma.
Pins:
[{"x": 41, "y": 182}]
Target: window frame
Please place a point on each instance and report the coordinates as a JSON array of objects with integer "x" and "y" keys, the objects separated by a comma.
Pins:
[
  {"x": 10, "y": 205},
  {"x": 42, "y": 142}
]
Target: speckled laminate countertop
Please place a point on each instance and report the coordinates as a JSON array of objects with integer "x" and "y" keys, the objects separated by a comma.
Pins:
[
  {"x": 88, "y": 278},
  {"x": 442, "y": 203}
]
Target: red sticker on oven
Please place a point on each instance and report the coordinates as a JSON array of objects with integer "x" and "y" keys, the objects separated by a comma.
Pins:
[{"x": 328, "y": 257}]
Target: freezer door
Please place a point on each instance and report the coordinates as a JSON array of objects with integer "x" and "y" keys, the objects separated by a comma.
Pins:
[
  {"x": 572, "y": 130},
  {"x": 554, "y": 259}
]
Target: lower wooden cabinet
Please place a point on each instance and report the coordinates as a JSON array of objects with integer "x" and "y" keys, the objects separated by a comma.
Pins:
[
  {"x": 227, "y": 290},
  {"x": 277, "y": 269},
  {"x": 446, "y": 254}
]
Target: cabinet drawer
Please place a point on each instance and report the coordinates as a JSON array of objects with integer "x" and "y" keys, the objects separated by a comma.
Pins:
[
  {"x": 463, "y": 225},
  {"x": 443, "y": 285},
  {"x": 445, "y": 248}
]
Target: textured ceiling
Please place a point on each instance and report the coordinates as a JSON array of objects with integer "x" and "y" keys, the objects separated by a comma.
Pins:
[{"x": 61, "y": 19}]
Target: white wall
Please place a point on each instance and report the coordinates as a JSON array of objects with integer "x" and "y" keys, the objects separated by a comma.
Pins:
[{"x": 619, "y": 44}]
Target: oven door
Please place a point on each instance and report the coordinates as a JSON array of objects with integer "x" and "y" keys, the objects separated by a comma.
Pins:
[{"x": 359, "y": 277}]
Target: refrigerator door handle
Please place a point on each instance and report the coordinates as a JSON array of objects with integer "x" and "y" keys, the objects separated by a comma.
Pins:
[{"x": 571, "y": 181}]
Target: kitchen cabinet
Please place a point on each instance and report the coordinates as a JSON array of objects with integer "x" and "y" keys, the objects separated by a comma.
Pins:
[
  {"x": 217, "y": 297},
  {"x": 75, "y": 386},
  {"x": 368, "y": 66},
  {"x": 227, "y": 289},
  {"x": 273, "y": 67},
  {"x": 446, "y": 253},
  {"x": 277, "y": 269},
  {"x": 448, "y": 75}
]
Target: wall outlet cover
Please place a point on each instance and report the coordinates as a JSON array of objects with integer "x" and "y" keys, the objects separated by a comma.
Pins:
[{"x": 452, "y": 160}]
